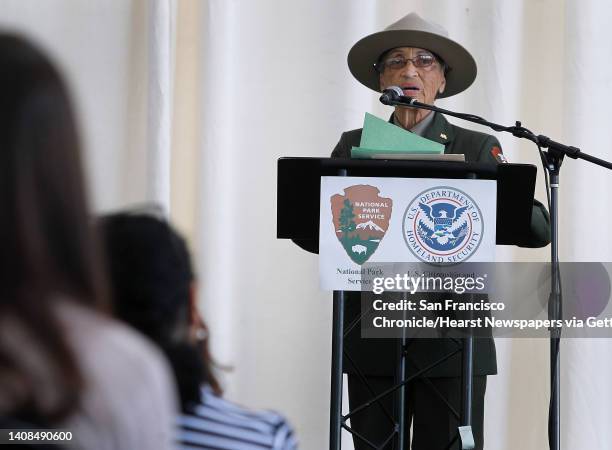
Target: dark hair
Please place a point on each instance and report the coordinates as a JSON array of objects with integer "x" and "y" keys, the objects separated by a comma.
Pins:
[
  {"x": 48, "y": 248},
  {"x": 151, "y": 277}
]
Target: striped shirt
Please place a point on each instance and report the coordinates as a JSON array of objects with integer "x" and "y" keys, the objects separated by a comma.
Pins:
[{"x": 217, "y": 424}]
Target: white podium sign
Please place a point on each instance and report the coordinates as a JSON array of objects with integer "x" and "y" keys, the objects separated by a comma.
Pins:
[{"x": 392, "y": 220}]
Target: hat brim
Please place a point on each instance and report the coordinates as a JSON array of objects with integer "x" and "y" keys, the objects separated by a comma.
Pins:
[{"x": 365, "y": 53}]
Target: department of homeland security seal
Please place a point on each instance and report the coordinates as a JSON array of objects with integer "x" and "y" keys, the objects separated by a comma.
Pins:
[{"x": 443, "y": 225}]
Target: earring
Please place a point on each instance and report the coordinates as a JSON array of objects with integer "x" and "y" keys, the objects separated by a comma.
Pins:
[{"x": 201, "y": 334}]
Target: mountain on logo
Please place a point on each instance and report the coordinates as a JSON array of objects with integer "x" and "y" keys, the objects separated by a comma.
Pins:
[{"x": 369, "y": 225}]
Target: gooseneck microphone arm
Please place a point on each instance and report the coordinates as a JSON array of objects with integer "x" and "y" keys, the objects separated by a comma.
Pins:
[
  {"x": 393, "y": 96},
  {"x": 552, "y": 160}
]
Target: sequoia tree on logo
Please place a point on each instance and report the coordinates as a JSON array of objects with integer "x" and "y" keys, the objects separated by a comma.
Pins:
[{"x": 361, "y": 219}]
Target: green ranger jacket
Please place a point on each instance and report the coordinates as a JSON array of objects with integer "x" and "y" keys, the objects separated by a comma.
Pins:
[{"x": 377, "y": 357}]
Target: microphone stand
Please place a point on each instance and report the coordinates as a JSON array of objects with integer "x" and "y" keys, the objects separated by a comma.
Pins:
[{"x": 552, "y": 160}]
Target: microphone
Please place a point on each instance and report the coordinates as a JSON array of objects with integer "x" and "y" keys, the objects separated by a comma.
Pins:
[{"x": 394, "y": 94}]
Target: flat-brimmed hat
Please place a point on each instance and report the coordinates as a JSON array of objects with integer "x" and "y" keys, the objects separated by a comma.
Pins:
[{"x": 413, "y": 31}]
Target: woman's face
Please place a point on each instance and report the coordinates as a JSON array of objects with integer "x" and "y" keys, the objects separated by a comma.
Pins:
[{"x": 415, "y": 70}]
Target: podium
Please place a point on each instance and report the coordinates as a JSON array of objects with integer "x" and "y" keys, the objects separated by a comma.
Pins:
[{"x": 298, "y": 204}]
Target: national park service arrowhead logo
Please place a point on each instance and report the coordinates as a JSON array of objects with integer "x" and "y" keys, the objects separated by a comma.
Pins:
[{"x": 361, "y": 219}]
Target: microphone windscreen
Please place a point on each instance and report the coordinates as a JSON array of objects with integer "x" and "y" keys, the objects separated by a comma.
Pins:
[{"x": 390, "y": 94}]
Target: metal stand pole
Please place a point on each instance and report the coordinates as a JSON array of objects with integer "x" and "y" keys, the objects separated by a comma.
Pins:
[
  {"x": 335, "y": 410},
  {"x": 467, "y": 379},
  {"x": 401, "y": 392},
  {"x": 554, "y": 310}
]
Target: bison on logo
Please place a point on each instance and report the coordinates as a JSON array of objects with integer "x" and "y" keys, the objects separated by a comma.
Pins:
[{"x": 361, "y": 219}]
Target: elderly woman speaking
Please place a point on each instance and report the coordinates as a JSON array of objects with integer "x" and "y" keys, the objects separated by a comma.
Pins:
[{"x": 419, "y": 57}]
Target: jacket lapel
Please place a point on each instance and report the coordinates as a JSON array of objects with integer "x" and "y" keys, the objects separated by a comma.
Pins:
[{"x": 440, "y": 131}]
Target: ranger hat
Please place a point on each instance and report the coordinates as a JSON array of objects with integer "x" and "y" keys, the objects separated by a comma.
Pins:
[{"x": 413, "y": 31}]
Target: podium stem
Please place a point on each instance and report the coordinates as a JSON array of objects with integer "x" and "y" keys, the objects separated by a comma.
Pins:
[{"x": 335, "y": 416}]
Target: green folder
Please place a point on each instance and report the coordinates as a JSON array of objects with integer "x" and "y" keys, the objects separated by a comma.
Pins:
[{"x": 380, "y": 136}]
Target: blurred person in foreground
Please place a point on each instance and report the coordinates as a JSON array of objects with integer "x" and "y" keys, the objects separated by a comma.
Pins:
[
  {"x": 154, "y": 289},
  {"x": 63, "y": 362}
]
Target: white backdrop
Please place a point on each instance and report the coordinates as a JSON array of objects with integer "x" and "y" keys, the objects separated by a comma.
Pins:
[{"x": 190, "y": 103}]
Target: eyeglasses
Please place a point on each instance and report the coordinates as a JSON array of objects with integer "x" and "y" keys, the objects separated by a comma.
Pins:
[{"x": 422, "y": 61}]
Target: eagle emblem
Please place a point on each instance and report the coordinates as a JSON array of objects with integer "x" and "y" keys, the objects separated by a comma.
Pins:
[{"x": 443, "y": 225}]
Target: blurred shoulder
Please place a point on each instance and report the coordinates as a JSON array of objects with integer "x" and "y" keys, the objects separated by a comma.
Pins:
[
  {"x": 92, "y": 331},
  {"x": 129, "y": 388}
]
